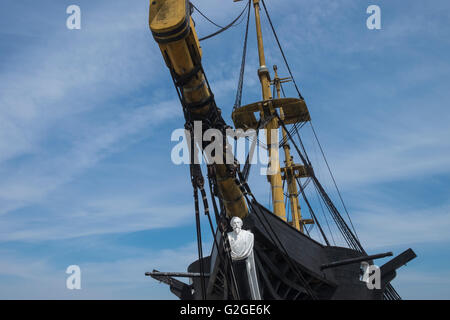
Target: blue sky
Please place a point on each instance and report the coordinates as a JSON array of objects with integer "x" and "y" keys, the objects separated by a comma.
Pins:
[{"x": 86, "y": 117}]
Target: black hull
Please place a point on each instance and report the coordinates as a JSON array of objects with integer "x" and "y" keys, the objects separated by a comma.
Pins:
[{"x": 289, "y": 267}]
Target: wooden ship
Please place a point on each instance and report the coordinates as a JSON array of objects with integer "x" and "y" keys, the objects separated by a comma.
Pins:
[{"x": 289, "y": 263}]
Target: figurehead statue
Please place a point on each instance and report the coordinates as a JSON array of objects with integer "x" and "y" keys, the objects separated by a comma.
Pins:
[
  {"x": 241, "y": 245},
  {"x": 241, "y": 241}
]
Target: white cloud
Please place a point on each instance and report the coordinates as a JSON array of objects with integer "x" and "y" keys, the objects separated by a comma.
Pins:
[
  {"x": 48, "y": 171},
  {"x": 414, "y": 152},
  {"x": 57, "y": 111},
  {"x": 116, "y": 279},
  {"x": 380, "y": 226},
  {"x": 95, "y": 217}
]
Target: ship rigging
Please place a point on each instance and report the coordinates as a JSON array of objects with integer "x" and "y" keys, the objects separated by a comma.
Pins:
[{"x": 288, "y": 262}]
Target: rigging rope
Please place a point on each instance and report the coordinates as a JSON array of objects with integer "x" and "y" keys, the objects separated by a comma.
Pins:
[
  {"x": 334, "y": 181},
  {"x": 273, "y": 236},
  {"x": 352, "y": 239},
  {"x": 247, "y": 166},
  {"x": 314, "y": 132},
  {"x": 325, "y": 217},
  {"x": 238, "y": 100},
  {"x": 226, "y": 247},
  {"x": 226, "y": 27},
  {"x": 204, "y": 16},
  {"x": 281, "y": 50},
  {"x": 390, "y": 293},
  {"x": 197, "y": 182},
  {"x": 315, "y": 135},
  {"x": 311, "y": 211}
]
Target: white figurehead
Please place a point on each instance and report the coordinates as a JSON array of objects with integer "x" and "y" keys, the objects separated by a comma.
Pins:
[
  {"x": 241, "y": 241},
  {"x": 241, "y": 244}
]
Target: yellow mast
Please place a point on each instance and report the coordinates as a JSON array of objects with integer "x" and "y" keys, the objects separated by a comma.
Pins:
[
  {"x": 272, "y": 127},
  {"x": 292, "y": 185},
  {"x": 174, "y": 31},
  {"x": 289, "y": 169},
  {"x": 292, "y": 110}
]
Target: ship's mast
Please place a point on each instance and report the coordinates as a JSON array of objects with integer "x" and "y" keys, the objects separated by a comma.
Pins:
[
  {"x": 296, "y": 112},
  {"x": 272, "y": 126},
  {"x": 288, "y": 161},
  {"x": 289, "y": 171}
]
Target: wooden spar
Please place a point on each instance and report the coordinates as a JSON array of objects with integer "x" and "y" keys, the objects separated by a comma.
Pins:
[
  {"x": 174, "y": 31},
  {"x": 291, "y": 181},
  {"x": 279, "y": 208}
]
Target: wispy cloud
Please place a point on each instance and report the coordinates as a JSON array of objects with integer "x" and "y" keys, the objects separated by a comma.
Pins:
[
  {"x": 395, "y": 154},
  {"x": 74, "y": 102},
  {"x": 34, "y": 180},
  {"x": 115, "y": 279},
  {"x": 95, "y": 217},
  {"x": 382, "y": 226},
  {"x": 57, "y": 111}
]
